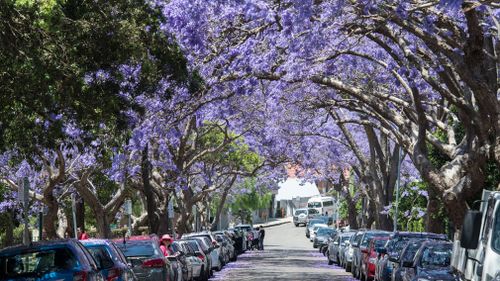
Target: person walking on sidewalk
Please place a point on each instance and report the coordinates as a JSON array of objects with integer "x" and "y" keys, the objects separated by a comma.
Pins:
[{"x": 262, "y": 234}]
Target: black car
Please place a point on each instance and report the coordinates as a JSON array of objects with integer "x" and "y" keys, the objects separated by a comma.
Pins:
[
  {"x": 432, "y": 262},
  {"x": 405, "y": 259}
]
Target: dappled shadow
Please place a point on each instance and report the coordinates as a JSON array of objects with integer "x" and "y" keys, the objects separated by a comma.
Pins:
[{"x": 282, "y": 264}]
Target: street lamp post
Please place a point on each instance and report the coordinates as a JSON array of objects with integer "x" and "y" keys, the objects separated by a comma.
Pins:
[{"x": 397, "y": 190}]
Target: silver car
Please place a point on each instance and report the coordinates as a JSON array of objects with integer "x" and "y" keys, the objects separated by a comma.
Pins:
[
  {"x": 300, "y": 217},
  {"x": 337, "y": 246},
  {"x": 214, "y": 248}
]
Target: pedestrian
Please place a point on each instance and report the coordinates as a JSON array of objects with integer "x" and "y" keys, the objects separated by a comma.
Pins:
[
  {"x": 82, "y": 235},
  {"x": 165, "y": 245},
  {"x": 262, "y": 234}
]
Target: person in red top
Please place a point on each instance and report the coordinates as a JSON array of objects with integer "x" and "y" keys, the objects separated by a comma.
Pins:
[
  {"x": 165, "y": 243},
  {"x": 82, "y": 235}
]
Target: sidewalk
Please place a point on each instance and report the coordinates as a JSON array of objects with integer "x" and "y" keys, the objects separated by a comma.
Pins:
[{"x": 275, "y": 222}]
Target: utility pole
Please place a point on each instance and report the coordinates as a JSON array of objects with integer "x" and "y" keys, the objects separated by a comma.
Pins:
[
  {"x": 73, "y": 211},
  {"x": 398, "y": 182}
]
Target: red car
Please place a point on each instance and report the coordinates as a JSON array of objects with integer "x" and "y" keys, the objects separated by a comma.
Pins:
[{"x": 369, "y": 259}]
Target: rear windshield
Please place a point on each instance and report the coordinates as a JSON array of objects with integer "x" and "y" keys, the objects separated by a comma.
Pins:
[
  {"x": 298, "y": 212},
  {"x": 325, "y": 231},
  {"x": 138, "y": 249},
  {"x": 438, "y": 256},
  {"x": 313, "y": 211},
  {"x": 313, "y": 222},
  {"x": 37, "y": 263}
]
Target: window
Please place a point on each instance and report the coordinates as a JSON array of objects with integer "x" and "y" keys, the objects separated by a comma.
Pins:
[
  {"x": 138, "y": 249},
  {"x": 314, "y": 205},
  {"x": 495, "y": 239},
  {"x": 313, "y": 212},
  {"x": 436, "y": 257},
  {"x": 101, "y": 256},
  {"x": 36, "y": 264},
  {"x": 327, "y": 203}
]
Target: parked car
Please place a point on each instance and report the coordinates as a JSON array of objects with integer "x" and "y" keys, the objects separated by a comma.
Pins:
[
  {"x": 192, "y": 265},
  {"x": 64, "y": 260},
  {"x": 226, "y": 242},
  {"x": 310, "y": 225},
  {"x": 322, "y": 236},
  {"x": 204, "y": 256},
  {"x": 144, "y": 255},
  {"x": 224, "y": 249},
  {"x": 337, "y": 246},
  {"x": 369, "y": 261},
  {"x": 361, "y": 250},
  {"x": 213, "y": 248},
  {"x": 300, "y": 217},
  {"x": 432, "y": 262},
  {"x": 393, "y": 247},
  {"x": 349, "y": 251},
  {"x": 240, "y": 240},
  {"x": 109, "y": 259},
  {"x": 250, "y": 233},
  {"x": 315, "y": 229},
  {"x": 405, "y": 259}
]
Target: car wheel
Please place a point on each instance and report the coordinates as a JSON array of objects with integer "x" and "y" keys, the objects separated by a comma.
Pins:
[
  {"x": 296, "y": 225},
  {"x": 330, "y": 262}
]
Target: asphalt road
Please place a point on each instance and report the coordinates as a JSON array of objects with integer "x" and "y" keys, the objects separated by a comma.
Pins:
[{"x": 287, "y": 255}]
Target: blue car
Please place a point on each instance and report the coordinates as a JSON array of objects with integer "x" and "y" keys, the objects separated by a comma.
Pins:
[
  {"x": 62, "y": 260},
  {"x": 110, "y": 260}
]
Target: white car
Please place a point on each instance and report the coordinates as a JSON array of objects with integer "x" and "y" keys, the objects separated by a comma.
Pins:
[
  {"x": 315, "y": 229},
  {"x": 300, "y": 217}
]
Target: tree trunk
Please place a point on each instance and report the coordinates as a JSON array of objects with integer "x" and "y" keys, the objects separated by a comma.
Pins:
[
  {"x": 50, "y": 218},
  {"x": 80, "y": 212},
  {"x": 103, "y": 225},
  {"x": 151, "y": 207},
  {"x": 220, "y": 207},
  {"x": 433, "y": 222}
]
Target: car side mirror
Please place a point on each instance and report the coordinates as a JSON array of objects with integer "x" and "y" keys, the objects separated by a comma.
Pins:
[{"x": 470, "y": 229}]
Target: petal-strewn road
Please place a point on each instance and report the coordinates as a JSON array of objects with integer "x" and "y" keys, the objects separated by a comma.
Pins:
[{"x": 288, "y": 255}]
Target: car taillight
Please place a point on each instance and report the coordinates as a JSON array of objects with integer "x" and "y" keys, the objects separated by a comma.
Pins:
[
  {"x": 154, "y": 263},
  {"x": 202, "y": 257},
  {"x": 113, "y": 274},
  {"x": 80, "y": 276}
]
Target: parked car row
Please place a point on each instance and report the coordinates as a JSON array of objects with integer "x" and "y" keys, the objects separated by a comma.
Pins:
[
  {"x": 137, "y": 258},
  {"x": 387, "y": 256}
]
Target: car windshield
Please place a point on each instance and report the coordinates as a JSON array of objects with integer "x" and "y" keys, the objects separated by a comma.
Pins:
[
  {"x": 313, "y": 212},
  {"x": 410, "y": 251},
  {"x": 437, "y": 256},
  {"x": 138, "y": 249},
  {"x": 325, "y": 231},
  {"x": 36, "y": 263},
  {"x": 299, "y": 212},
  {"x": 314, "y": 205},
  {"x": 194, "y": 245}
]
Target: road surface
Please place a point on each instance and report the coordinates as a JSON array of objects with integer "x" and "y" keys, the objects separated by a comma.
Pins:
[{"x": 288, "y": 255}]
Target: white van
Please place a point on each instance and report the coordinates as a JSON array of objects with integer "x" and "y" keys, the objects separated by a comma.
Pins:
[{"x": 324, "y": 204}]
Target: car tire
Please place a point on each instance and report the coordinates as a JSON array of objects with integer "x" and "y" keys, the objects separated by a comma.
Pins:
[
  {"x": 347, "y": 268},
  {"x": 330, "y": 262},
  {"x": 296, "y": 225}
]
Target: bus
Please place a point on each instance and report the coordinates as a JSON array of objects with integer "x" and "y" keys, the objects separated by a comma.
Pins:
[{"x": 324, "y": 204}]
